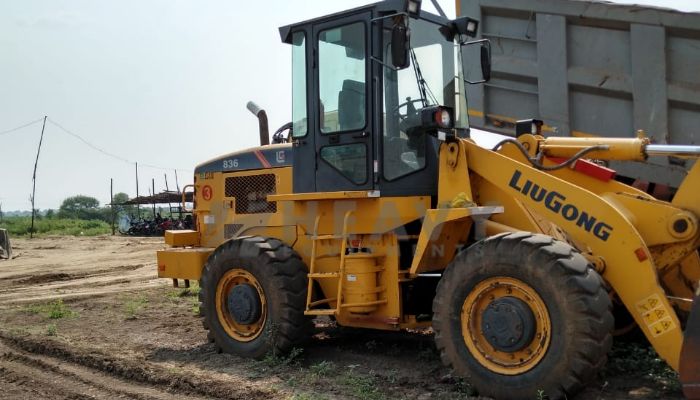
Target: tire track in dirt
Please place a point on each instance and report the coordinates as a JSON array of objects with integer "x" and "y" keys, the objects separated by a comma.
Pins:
[{"x": 49, "y": 369}]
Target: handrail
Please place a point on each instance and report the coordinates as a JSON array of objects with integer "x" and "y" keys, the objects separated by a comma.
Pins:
[{"x": 184, "y": 202}]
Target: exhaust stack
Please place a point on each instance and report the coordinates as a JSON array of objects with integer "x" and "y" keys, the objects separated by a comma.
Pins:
[{"x": 262, "y": 122}]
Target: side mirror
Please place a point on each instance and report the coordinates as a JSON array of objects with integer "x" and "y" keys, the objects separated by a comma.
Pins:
[
  {"x": 485, "y": 58},
  {"x": 400, "y": 45},
  {"x": 486, "y": 61}
]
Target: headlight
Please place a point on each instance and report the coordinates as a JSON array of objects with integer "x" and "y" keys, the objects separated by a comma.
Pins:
[
  {"x": 442, "y": 118},
  {"x": 439, "y": 117}
]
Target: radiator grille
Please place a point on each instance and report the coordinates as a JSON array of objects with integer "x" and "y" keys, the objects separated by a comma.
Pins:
[{"x": 251, "y": 193}]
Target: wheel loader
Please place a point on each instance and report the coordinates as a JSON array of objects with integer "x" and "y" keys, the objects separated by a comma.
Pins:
[{"x": 376, "y": 208}]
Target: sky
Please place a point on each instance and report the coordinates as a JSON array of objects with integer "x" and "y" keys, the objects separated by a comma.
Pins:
[{"x": 160, "y": 82}]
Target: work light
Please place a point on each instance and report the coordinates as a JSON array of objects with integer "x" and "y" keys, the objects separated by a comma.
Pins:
[
  {"x": 413, "y": 8},
  {"x": 436, "y": 117}
]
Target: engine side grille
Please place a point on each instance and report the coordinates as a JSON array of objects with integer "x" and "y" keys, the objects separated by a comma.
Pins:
[{"x": 251, "y": 193}]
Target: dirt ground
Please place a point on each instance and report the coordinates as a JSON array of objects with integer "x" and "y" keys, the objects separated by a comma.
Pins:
[{"x": 86, "y": 318}]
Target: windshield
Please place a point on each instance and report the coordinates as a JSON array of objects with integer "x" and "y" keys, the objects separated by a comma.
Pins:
[{"x": 429, "y": 80}]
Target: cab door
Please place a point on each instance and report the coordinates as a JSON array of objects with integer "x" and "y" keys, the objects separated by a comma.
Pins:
[{"x": 342, "y": 126}]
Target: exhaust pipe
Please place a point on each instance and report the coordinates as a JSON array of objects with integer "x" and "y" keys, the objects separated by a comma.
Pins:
[{"x": 262, "y": 122}]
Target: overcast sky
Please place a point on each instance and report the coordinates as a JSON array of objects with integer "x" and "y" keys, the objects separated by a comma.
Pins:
[{"x": 161, "y": 82}]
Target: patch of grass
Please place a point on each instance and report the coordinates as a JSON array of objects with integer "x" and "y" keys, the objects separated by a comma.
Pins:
[
  {"x": 51, "y": 330},
  {"x": 291, "y": 359},
  {"x": 192, "y": 293},
  {"x": 308, "y": 396},
  {"x": 362, "y": 386},
  {"x": 323, "y": 368},
  {"x": 629, "y": 358},
  {"x": 134, "y": 306},
  {"x": 53, "y": 310},
  {"x": 20, "y": 226}
]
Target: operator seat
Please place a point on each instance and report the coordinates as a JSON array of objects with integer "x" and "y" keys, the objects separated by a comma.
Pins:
[{"x": 351, "y": 105}]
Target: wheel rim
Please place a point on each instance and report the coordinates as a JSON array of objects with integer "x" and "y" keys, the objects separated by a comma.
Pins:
[
  {"x": 516, "y": 321},
  {"x": 242, "y": 321}
]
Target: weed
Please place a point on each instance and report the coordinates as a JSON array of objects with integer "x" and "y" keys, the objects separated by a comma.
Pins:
[
  {"x": 323, "y": 368},
  {"x": 192, "y": 291},
  {"x": 464, "y": 388},
  {"x": 641, "y": 360},
  {"x": 195, "y": 289},
  {"x": 133, "y": 306},
  {"x": 51, "y": 330},
  {"x": 392, "y": 376},
  {"x": 54, "y": 310},
  {"x": 272, "y": 360},
  {"x": 541, "y": 395},
  {"x": 362, "y": 386},
  {"x": 307, "y": 396}
]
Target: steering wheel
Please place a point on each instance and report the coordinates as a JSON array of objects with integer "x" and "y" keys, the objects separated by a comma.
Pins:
[
  {"x": 278, "y": 136},
  {"x": 409, "y": 101},
  {"x": 411, "y": 118}
]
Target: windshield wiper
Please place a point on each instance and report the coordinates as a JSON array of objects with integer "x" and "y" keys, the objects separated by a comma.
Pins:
[{"x": 423, "y": 87}]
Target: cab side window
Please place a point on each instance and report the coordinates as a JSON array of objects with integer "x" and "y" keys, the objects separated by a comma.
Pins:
[
  {"x": 342, "y": 69},
  {"x": 342, "y": 75}
]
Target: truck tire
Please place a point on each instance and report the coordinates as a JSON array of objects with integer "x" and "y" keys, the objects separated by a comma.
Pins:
[
  {"x": 521, "y": 315},
  {"x": 253, "y": 296}
]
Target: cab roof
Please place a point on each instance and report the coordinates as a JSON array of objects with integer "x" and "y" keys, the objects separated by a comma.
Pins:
[{"x": 386, "y": 7}]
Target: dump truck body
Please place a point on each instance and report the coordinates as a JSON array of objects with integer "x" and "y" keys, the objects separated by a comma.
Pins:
[{"x": 589, "y": 68}]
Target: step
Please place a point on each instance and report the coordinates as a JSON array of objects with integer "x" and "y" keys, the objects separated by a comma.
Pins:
[
  {"x": 326, "y": 237},
  {"x": 321, "y": 275},
  {"x": 319, "y": 302},
  {"x": 364, "y": 304},
  {"x": 320, "y": 312}
]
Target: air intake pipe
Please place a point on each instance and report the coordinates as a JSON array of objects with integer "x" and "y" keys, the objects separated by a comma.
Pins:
[{"x": 262, "y": 122}]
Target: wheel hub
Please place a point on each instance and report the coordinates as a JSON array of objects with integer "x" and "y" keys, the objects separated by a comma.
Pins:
[
  {"x": 508, "y": 324},
  {"x": 244, "y": 304}
]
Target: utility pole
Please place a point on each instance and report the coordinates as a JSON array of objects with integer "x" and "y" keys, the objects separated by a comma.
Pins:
[
  {"x": 167, "y": 190},
  {"x": 41, "y": 139},
  {"x": 111, "y": 201},
  {"x": 153, "y": 182},
  {"x": 138, "y": 209}
]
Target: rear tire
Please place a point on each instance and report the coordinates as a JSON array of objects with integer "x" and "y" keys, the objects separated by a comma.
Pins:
[
  {"x": 520, "y": 315},
  {"x": 253, "y": 296}
]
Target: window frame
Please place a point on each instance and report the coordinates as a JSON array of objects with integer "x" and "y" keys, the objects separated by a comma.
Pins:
[{"x": 367, "y": 82}]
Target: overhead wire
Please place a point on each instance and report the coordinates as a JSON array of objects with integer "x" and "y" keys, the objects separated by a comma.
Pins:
[
  {"x": 22, "y": 126},
  {"x": 107, "y": 153}
]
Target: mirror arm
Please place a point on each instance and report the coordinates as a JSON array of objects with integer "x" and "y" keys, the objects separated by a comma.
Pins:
[
  {"x": 391, "y": 67},
  {"x": 391, "y": 16}
]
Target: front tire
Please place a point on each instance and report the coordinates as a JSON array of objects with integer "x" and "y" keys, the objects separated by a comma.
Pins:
[
  {"x": 520, "y": 315},
  {"x": 252, "y": 298}
]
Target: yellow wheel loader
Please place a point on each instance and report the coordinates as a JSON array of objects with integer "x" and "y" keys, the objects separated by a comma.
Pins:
[{"x": 377, "y": 208}]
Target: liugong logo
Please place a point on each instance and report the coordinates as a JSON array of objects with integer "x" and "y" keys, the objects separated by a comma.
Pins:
[{"x": 556, "y": 202}]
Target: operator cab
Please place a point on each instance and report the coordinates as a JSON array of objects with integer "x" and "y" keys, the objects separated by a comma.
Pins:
[{"x": 360, "y": 118}]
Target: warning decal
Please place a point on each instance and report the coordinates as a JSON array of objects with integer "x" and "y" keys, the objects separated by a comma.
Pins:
[{"x": 657, "y": 318}]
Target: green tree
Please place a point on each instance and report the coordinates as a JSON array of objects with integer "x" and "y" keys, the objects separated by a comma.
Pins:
[
  {"x": 80, "y": 207},
  {"x": 50, "y": 213},
  {"x": 119, "y": 199}
]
